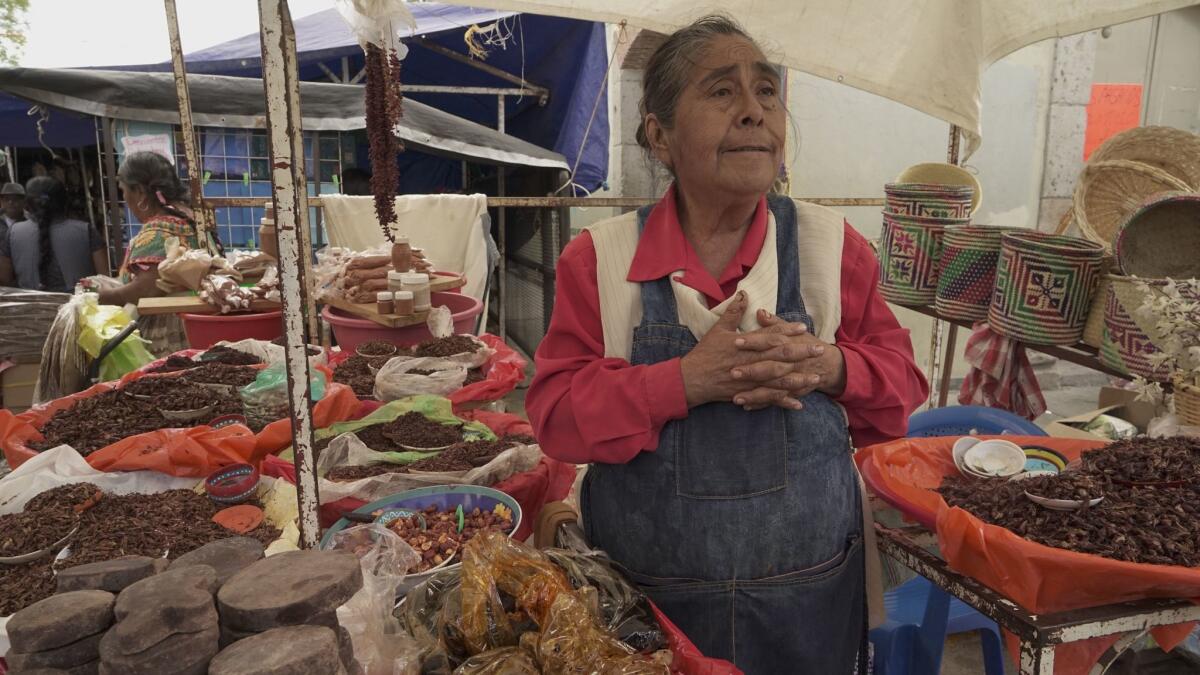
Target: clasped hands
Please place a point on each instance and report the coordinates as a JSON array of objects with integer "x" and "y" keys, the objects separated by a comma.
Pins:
[{"x": 775, "y": 365}]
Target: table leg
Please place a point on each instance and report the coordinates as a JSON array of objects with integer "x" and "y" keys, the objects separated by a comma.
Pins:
[{"x": 1036, "y": 659}]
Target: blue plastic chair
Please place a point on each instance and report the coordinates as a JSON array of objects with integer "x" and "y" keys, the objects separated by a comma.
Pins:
[{"x": 921, "y": 615}]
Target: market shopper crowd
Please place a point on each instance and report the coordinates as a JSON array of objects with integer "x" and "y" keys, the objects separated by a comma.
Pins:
[{"x": 714, "y": 357}]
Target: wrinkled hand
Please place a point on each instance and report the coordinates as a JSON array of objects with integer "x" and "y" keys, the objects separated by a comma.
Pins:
[
  {"x": 788, "y": 359},
  {"x": 708, "y": 369}
]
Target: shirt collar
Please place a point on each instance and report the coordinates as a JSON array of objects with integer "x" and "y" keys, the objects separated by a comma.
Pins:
[{"x": 663, "y": 248}]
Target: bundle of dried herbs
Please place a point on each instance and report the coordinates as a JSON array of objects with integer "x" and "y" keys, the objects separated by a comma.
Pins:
[{"x": 384, "y": 102}]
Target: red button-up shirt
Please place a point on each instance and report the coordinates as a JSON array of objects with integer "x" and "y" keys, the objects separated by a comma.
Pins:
[{"x": 588, "y": 408}]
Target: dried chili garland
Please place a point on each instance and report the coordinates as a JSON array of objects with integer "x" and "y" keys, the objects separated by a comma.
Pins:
[{"x": 384, "y": 104}]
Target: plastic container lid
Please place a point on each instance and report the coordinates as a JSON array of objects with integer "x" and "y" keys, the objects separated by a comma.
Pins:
[
  {"x": 403, "y": 295},
  {"x": 415, "y": 278},
  {"x": 401, "y": 240},
  {"x": 397, "y": 276},
  {"x": 383, "y": 295}
]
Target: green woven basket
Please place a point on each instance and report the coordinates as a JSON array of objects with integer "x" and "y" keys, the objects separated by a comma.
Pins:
[
  {"x": 910, "y": 249},
  {"x": 1044, "y": 287},
  {"x": 967, "y": 277}
]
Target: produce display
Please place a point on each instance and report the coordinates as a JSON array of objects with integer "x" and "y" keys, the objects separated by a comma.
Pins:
[
  {"x": 410, "y": 430},
  {"x": 437, "y": 537},
  {"x": 448, "y": 346},
  {"x": 220, "y": 373},
  {"x": 513, "y": 609},
  {"x": 1134, "y": 522},
  {"x": 217, "y": 354},
  {"x": 100, "y": 420},
  {"x": 355, "y": 372},
  {"x": 458, "y": 457},
  {"x": 168, "y": 524}
]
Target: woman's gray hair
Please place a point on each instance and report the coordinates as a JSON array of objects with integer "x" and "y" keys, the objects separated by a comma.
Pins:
[
  {"x": 667, "y": 71},
  {"x": 153, "y": 173}
]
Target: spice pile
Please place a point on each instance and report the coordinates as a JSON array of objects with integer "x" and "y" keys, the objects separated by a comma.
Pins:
[
  {"x": 410, "y": 430},
  {"x": 170, "y": 393},
  {"x": 448, "y": 346},
  {"x": 166, "y": 524},
  {"x": 379, "y": 348},
  {"x": 217, "y": 354},
  {"x": 219, "y": 373},
  {"x": 100, "y": 420},
  {"x": 1159, "y": 525},
  {"x": 441, "y": 539},
  {"x": 355, "y": 372},
  {"x": 460, "y": 457}
]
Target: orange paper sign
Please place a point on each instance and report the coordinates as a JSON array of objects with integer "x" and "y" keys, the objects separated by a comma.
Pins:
[{"x": 1113, "y": 109}]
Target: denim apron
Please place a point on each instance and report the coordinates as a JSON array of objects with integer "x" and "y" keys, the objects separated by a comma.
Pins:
[{"x": 743, "y": 527}]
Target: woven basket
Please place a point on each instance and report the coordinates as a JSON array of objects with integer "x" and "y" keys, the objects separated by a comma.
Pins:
[
  {"x": 1093, "y": 328},
  {"x": 1129, "y": 339},
  {"x": 1108, "y": 192},
  {"x": 1174, "y": 151},
  {"x": 1187, "y": 402},
  {"x": 967, "y": 277},
  {"x": 910, "y": 249},
  {"x": 1161, "y": 239},
  {"x": 944, "y": 174},
  {"x": 1044, "y": 286}
]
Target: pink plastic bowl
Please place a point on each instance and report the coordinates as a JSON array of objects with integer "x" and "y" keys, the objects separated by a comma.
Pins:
[
  {"x": 205, "y": 330},
  {"x": 351, "y": 331}
]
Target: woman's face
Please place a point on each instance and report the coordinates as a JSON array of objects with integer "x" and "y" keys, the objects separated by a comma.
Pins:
[
  {"x": 135, "y": 199},
  {"x": 728, "y": 135}
]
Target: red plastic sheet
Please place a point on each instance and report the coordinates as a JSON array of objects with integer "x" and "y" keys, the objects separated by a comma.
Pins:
[
  {"x": 1040, "y": 578},
  {"x": 192, "y": 452},
  {"x": 502, "y": 373}
]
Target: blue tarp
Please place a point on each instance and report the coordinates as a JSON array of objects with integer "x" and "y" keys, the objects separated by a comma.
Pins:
[{"x": 567, "y": 56}]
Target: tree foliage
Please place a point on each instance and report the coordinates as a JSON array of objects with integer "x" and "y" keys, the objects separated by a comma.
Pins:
[{"x": 12, "y": 30}]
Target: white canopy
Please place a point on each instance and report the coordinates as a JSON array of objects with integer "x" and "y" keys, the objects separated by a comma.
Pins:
[{"x": 926, "y": 54}]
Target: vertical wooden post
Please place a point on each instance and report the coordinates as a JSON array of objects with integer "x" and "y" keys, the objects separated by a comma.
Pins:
[{"x": 290, "y": 189}]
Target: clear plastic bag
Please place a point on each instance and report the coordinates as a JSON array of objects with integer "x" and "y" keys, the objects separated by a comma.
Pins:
[
  {"x": 622, "y": 608},
  {"x": 504, "y": 661},
  {"x": 266, "y": 398},
  {"x": 381, "y": 647},
  {"x": 395, "y": 379}
]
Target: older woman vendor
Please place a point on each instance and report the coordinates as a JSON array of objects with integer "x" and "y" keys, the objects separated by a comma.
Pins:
[{"x": 715, "y": 357}]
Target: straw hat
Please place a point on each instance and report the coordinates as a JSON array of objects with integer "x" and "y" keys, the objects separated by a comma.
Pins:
[{"x": 12, "y": 189}]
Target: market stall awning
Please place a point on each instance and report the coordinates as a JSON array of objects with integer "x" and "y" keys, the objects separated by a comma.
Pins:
[
  {"x": 239, "y": 102},
  {"x": 926, "y": 54}
]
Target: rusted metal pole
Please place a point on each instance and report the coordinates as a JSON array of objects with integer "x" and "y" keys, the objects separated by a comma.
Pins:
[
  {"x": 112, "y": 198},
  {"x": 290, "y": 188},
  {"x": 939, "y": 384},
  {"x": 203, "y": 215}
]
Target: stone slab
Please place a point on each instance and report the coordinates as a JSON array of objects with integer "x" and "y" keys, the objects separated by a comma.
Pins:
[
  {"x": 180, "y": 653},
  {"x": 294, "y": 650},
  {"x": 75, "y": 654},
  {"x": 288, "y": 589},
  {"x": 110, "y": 575},
  {"x": 226, "y": 556},
  {"x": 60, "y": 620},
  {"x": 159, "y": 588}
]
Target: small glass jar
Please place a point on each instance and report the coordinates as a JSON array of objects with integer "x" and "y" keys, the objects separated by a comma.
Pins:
[
  {"x": 418, "y": 284},
  {"x": 401, "y": 255},
  {"x": 384, "y": 303},
  {"x": 403, "y": 303},
  {"x": 396, "y": 281}
]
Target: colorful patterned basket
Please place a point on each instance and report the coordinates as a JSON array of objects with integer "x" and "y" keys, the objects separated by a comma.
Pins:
[
  {"x": 1128, "y": 338},
  {"x": 1161, "y": 239},
  {"x": 1093, "y": 329},
  {"x": 1187, "y": 402},
  {"x": 928, "y": 200},
  {"x": 967, "y": 277},
  {"x": 1044, "y": 287},
  {"x": 910, "y": 251}
]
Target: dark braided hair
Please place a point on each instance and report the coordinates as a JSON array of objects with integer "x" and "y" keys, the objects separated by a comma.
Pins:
[
  {"x": 46, "y": 203},
  {"x": 159, "y": 179}
]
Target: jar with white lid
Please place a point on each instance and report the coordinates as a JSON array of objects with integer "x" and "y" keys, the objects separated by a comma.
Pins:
[{"x": 418, "y": 285}]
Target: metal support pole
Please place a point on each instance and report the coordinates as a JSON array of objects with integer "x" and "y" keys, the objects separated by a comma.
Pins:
[
  {"x": 290, "y": 188},
  {"x": 542, "y": 93},
  {"x": 110, "y": 176},
  {"x": 204, "y": 220},
  {"x": 947, "y": 365},
  {"x": 502, "y": 232},
  {"x": 939, "y": 383}
]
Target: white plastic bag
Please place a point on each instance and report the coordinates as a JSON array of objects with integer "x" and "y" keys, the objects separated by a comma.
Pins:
[
  {"x": 347, "y": 450},
  {"x": 381, "y": 645},
  {"x": 394, "y": 381},
  {"x": 377, "y": 21}
]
